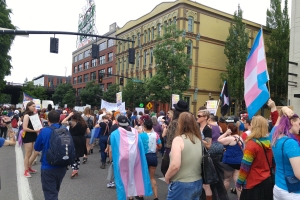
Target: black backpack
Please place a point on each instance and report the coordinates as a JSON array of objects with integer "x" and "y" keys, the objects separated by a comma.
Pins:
[
  {"x": 61, "y": 150},
  {"x": 90, "y": 123}
]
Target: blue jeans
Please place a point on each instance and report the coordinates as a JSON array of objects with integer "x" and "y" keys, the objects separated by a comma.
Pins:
[
  {"x": 185, "y": 190},
  {"x": 51, "y": 180},
  {"x": 103, "y": 145}
]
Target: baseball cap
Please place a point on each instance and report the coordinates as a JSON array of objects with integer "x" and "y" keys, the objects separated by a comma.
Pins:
[
  {"x": 16, "y": 112},
  {"x": 123, "y": 121}
]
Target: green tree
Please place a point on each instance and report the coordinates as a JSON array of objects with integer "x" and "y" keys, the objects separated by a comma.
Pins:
[
  {"x": 110, "y": 94},
  {"x": 278, "y": 49},
  {"x": 91, "y": 94},
  {"x": 36, "y": 91},
  {"x": 134, "y": 94},
  {"x": 5, "y": 42},
  {"x": 69, "y": 98},
  {"x": 172, "y": 63},
  {"x": 5, "y": 98},
  {"x": 60, "y": 92},
  {"x": 236, "y": 50}
]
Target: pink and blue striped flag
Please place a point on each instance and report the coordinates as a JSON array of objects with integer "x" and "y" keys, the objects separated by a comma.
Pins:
[
  {"x": 130, "y": 164},
  {"x": 256, "y": 76},
  {"x": 27, "y": 97}
]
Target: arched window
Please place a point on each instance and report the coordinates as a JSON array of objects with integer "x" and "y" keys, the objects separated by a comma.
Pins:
[
  {"x": 158, "y": 29},
  {"x": 145, "y": 36},
  {"x": 190, "y": 48},
  {"x": 190, "y": 24},
  {"x": 123, "y": 64},
  {"x": 139, "y": 39},
  {"x": 137, "y": 59}
]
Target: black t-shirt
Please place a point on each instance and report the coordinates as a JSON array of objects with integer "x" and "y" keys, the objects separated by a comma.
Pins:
[
  {"x": 105, "y": 128},
  {"x": 207, "y": 132}
]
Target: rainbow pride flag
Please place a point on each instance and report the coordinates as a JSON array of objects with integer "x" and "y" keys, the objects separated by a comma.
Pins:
[{"x": 130, "y": 165}]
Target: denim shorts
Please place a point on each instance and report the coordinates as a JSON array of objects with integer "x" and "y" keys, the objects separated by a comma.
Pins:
[
  {"x": 88, "y": 135},
  {"x": 184, "y": 190},
  {"x": 151, "y": 159}
]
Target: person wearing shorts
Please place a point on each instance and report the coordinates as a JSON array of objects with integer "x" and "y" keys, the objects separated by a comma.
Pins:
[{"x": 152, "y": 143}]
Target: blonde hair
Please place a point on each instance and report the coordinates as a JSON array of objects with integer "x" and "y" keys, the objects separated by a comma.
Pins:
[
  {"x": 205, "y": 113},
  {"x": 259, "y": 128}
]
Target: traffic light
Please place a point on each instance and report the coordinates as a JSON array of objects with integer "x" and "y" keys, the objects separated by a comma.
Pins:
[
  {"x": 131, "y": 55},
  {"x": 100, "y": 79},
  {"x": 95, "y": 51},
  {"x": 121, "y": 81},
  {"x": 53, "y": 45}
]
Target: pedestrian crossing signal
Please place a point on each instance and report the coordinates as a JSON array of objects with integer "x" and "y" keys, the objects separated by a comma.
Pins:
[{"x": 100, "y": 80}]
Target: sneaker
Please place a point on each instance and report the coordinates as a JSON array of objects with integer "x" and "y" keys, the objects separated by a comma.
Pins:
[
  {"x": 27, "y": 174},
  {"x": 110, "y": 185},
  {"x": 32, "y": 171}
]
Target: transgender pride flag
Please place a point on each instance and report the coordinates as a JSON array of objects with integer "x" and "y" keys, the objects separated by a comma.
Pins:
[
  {"x": 255, "y": 77},
  {"x": 130, "y": 164}
]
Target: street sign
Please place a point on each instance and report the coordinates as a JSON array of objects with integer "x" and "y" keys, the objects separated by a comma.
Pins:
[
  {"x": 136, "y": 80},
  {"x": 141, "y": 105},
  {"x": 149, "y": 106}
]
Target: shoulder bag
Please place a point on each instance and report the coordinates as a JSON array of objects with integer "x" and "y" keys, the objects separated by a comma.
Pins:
[
  {"x": 292, "y": 183},
  {"x": 209, "y": 173},
  {"x": 271, "y": 170}
]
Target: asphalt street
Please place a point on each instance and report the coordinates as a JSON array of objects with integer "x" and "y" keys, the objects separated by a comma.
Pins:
[{"x": 89, "y": 185}]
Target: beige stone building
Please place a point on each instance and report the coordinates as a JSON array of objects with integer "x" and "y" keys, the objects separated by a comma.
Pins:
[
  {"x": 207, "y": 30},
  {"x": 294, "y": 79}
]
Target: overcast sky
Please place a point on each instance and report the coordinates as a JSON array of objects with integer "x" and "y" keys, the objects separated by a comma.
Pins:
[{"x": 31, "y": 56}]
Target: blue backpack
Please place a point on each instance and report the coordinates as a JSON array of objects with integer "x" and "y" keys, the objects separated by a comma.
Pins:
[{"x": 61, "y": 150}]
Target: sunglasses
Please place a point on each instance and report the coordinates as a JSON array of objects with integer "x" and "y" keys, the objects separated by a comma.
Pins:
[{"x": 199, "y": 116}]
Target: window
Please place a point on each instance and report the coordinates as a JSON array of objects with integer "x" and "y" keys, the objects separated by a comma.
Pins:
[
  {"x": 94, "y": 62},
  {"x": 123, "y": 46},
  {"x": 101, "y": 73},
  {"x": 109, "y": 71},
  {"x": 86, "y": 53},
  {"x": 145, "y": 76},
  {"x": 188, "y": 74},
  {"x": 165, "y": 26},
  {"x": 110, "y": 56},
  {"x": 93, "y": 75},
  {"x": 75, "y": 59},
  {"x": 102, "y": 60},
  {"x": 175, "y": 20},
  {"x": 74, "y": 80},
  {"x": 189, "y": 48},
  {"x": 127, "y": 63},
  {"x": 133, "y": 38},
  {"x": 149, "y": 35},
  {"x": 145, "y": 36},
  {"x": 102, "y": 87},
  {"x": 128, "y": 43},
  {"x": 145, "y": 57},
  {"x": 80, "y": 68},
  {"x": 119, "y": 65},
  {"x": 158, "y": 29},
  {"x": 123, "y": 64},
  {"x": 151, "y": 56},
  {"x": 80, "y": 56},
  {"x": 108, "y": 85},
  {"x": 75, "y": 69},
  {"x": 187, "y": 99},
  {"x": 139, "y": 39},
  {"x": 137, "y": 60},
  {"x": 79, "y": 79},
  {"x": 102, "y": 46},
  {"x": 190, "y": 24},
  {"x": 110, "y": 43},
  {"x": 153, "y": 33},
  {"x": 78, "y": 91},
  {"x": 86, "y": 77},
  {"x": 86, "y": 65},
  {"x": 150, "y": 75},
  {"x": 119, "y": 47}
]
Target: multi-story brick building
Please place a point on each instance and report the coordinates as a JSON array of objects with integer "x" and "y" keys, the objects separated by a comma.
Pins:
[
  {"x": 86, "y": 69},
  {"x": 205, "y": 28},
  {"x": 50, "y": 82}
]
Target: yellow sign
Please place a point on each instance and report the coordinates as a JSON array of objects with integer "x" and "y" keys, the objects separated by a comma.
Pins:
[{"x": 149, "y": 105}]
